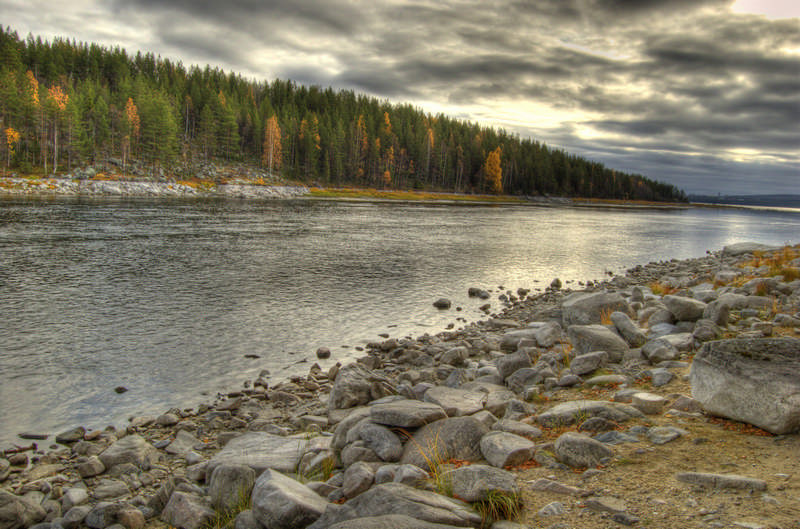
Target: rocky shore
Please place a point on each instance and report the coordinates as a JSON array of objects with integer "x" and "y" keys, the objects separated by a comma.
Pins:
[
  {"x": 666, "y": 397},
  {"x": 141, "y": 188}
]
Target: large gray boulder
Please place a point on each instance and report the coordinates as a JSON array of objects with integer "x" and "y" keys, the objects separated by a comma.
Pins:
[
  {"x": 229, "y": 484},
  {"x": 16, "y": 513},
  {"x": 260, "y": 451},
  {"x": 754, "y": 380},
  {"x": 683, "y": 308},
  {"x": 586, "y": 363},
  {"x": 187, "y": 511},
  {"x": 454, "y": 438},
  {"x": 356, "y": 385},
  {"x": 406, "y": 413},
  {"x": 568, "y": 413},
  {"x": 506, "y": 365},
  {"x": 586, "y": 308},
  {"x": 399, "y": 499},
  {"x": 279, "y": 502},
  {"x": 629, "y": 330},
  {"x": 741, "y": 248},
  {"x": 503, "y": 449},
  {"x": 588, "y": 338},
  {"x": 659, "y": 350},
  {"x": 130, "y": 449},
  {"x": 456, "y": 402},
  {"x": 526, "y": 377},
  {"x": 377, "y": 438},
  {"x": 474, "y": 482}
]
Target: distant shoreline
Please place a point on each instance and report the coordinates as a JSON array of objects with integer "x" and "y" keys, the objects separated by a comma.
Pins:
[{"x": 245, "y": 189}]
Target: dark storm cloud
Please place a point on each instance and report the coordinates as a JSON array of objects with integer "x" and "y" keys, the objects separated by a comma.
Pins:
[{"x": 662, "y": 84}]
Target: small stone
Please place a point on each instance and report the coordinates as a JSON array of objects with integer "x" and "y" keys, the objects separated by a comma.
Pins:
[
  {"x": 92, "y": 467},
  {"x": 664, "y": 434},
  {"x": 71, "y": 436},
  {"x": 552, "y": 509},
  {"x": 606, "y": 504},
  {"x": 323, "y": 353},
  {"x": 648, "y": 403},
  {"x": 442, "y": 303},
  {"x": 721, "y": 481},
  {"x": 120, "y": 389}
]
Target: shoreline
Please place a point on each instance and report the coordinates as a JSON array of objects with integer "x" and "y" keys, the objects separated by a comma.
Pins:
[
  {"x": 14, "y": 187},
  {"x": 185, "y": 443}
]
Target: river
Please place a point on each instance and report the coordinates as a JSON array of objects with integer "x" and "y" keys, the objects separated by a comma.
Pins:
[{"x": 167, "y": 297}]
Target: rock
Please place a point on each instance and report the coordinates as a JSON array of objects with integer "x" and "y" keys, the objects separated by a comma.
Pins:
[
  {"x": 687, "y": 404},
  {"x": 548, "y": 335},
  {"x": 229, "y": 484},
  {"x": 721, "y": 481},
  {"x": 648, "y": 403},
  {"x": 503, "y": 449},
  {"x": 442, "y": 303},
  {"x": 554, "y": 508},
  {"x": 389, "y": 521},
  {"x": 102, "y": 515},
  {"x": 659, "y": 350},
  {"x": 323, "y": 353},
  {"x": 186, "y": 511},
  {"x": 260, "y": 451},
  {"x": 246, "y": 520},
  {"x": 475, "y": 292},
  {"x": 606, "y": 504},
  {"x": 683, "y": 308},
  {"x": 75, "y": 516},
  {"x": 130, "y": 449},
  {"x": 568, "y": 413},
  {"x": 355, "y": 385},
  {"x": 583, "y": 308},
  {"x": 16, "y": 513},
  {"x": 457, "y": 356},
  {"x": 410, "y": 475},
  {"x": 588, "y": 362},
  {"x": 453, "y": 438},
  {"x": 517, "y": 428},
  {"x": 508, "y": 364},
  {"x": 399, "y": 499},
  {"x": 629, "y": 330},
  {"x": 377, "y": 438},
  {"x": 526, "y": 377},
  {"x": 71, "y": 436},
  {"x": 608, "y": 380},
  {"x": 73, "y": 496},
  {"x": 455, "y": 402},
  {"x": 706, "y": 331},
  {"x": 741, "y": 248},
  {"x": 406, "y": 413},
  {"x": 588, "y": 338},
  {"x": 547, "y": 485},
  {"x": 580, "y": 451},
  {"x": 279, "y": 502},
  {"x": 473, "y": 483},
  {"x": 661, "y": 435},
  {"x": 130, "y": 518},
  {"x": 110, "y": 488},
  {"x": 717, "y": 312},
  {"x": 357, "y": 478},
  {"x": 167, "y": 419},
  {"x": 660, "y": 377},
  {"x": 750, "y": 380}
]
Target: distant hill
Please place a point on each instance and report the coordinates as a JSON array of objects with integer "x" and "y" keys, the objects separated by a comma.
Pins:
[
  {"x": 772, "y": 201},
  {"x": 67, "y": 105}
]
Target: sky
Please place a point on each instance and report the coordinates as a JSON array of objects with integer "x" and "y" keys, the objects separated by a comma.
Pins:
[{"x": 703, "y": 94}]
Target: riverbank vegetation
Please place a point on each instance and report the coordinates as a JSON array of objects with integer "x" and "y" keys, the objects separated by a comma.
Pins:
[{"x": 67, "y": 105}]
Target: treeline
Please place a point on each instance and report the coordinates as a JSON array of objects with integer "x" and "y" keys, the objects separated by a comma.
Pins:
[{"x": 65, "y": 104}]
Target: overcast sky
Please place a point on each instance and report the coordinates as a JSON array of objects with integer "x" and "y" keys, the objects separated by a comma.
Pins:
[{"x": 704, "y": 94}]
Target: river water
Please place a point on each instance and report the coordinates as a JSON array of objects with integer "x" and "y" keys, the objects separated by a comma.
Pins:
[{"x": 167, "y": 297}]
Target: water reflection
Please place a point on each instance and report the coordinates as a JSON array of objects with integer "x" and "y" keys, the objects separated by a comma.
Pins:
[{"x": 167, "y": 298}]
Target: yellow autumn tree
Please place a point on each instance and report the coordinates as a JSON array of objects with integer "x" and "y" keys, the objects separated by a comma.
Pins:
[
  {"x": 12, "y": 137},
  {"x": 493, "y": 172},
  {"x": 272, "y": 144},
  {"x": 130, "y": 130},
  {"x": 58, "y": 101}
]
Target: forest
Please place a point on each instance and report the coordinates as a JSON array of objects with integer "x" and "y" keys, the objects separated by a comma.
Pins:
[{"x": 65, "y": 105}]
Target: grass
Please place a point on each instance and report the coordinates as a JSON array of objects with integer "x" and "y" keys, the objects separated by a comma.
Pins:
[
  {"x": 499, "y": 506},
  {"x": 659, "y": 289},
  {"x": 436, "y": 463},
  {"x": 605, "y": 316},
  {"x": 224, "y": 518},
  {"x": 386, "y": 194}
]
